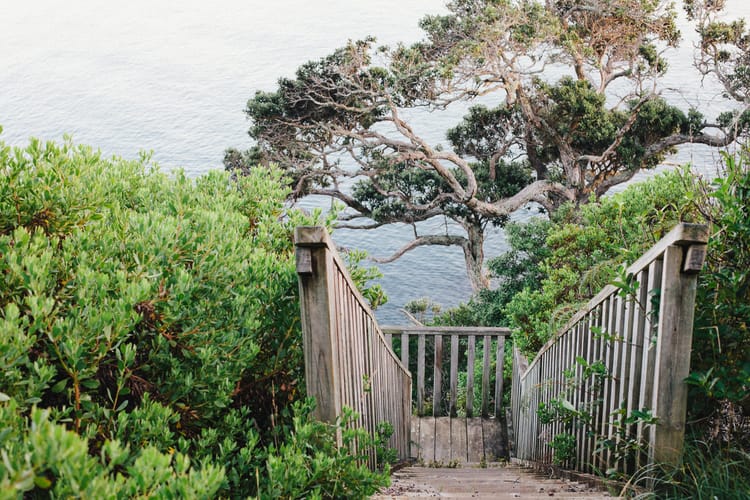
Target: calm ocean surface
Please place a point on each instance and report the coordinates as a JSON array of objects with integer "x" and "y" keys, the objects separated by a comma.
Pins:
[{"x": 174, "y": 77}]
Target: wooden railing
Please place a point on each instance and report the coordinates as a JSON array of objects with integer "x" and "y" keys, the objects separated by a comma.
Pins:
[
  {"x": 430, "y": 345},
  {"x": 608, "y": 390},
  {"x": 348, "y": 361}
]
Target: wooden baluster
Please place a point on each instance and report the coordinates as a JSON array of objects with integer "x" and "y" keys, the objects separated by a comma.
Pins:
[
  {"x": 454, "y": 376},
  {"x": 499, "y": 360},
  {"x": 437, "y": 376},
  {"x": 486, "y": 351},
  {"x": 470, "y": 357},
  {"x": 420, "y": 374}
]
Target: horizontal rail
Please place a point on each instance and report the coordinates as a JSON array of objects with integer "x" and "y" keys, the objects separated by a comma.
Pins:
[
  {"x": 607, "y": 393},
  {"x": 448, "y": 330},
  {"x": 348, "y": 360}
]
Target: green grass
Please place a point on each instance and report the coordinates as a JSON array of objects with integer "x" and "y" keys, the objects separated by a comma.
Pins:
[{"x": 707, "y": 473}]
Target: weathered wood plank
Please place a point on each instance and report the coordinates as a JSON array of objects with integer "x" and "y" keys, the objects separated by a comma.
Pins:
[
  {"x": 437, "y": 376},
  {"x": 442, "y": 439},
  {"x": 415, "y": 448},
  {"x": 453, "y": 376},
  {"x": 493, "y": 439},
  {"x": 405, "y": 349},
  {"x": 427, "y": 439},
  {"x": 470, "y": 357},
  {"x": 474, "y": 439},
  {"x": 420, "y": 374},
  {"x": 447, "y": 330},
  {"x": 672, "y": 366},
  {"x": 321, "y": 353},
  {"x": 459, "y": 440},
  {"x": 486, "y": 351},
  {"x": 499, "y": 360},
  {"x": 346, "y": 359},
  {"x": 645, "y": 396}
]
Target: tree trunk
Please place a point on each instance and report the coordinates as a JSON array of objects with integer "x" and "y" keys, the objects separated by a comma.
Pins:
[{"x": 474, "y": 256}]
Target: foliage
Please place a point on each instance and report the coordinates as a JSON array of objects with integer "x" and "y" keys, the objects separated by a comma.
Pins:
[
  {"x": 565, "y": 448},
  {"x": 149, "y": 325},
  {"x": 721, "y": 356},
  {"x": 309, "y": 464},
  {"x": 513, "y": 271},
  {"x": 705, "y": 472},
  {"x": 559, "y": 132},
  {"x": 585, "y": 248},
  {"x": 41, "y": 457}
]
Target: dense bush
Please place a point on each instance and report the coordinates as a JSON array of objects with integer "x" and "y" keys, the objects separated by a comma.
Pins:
[
  {"x": 587, "y": 245},
  {"x": 720, "y": 363},
  {"x": 147, "y": 322}
]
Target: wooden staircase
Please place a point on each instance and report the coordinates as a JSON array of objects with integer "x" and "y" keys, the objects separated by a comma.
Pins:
[{"x": 637, "y": 337}]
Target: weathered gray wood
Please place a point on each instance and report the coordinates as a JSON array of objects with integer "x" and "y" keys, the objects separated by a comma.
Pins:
[
  {"x": 415, "y": 447},
  {"x": 672, "y": 366},
  {"x": 648, "y": 359},
  {"x": 474, "y": 439},
  {"x": 406, "y": 412},
  {"x": 694, "y": 258},
  {"x": 499, "y": 360},
  {"x": 437, "y": 376},
  {"x": 493, "y": 442},
  {"x": 347, "y": 361},
  {"x": 405, "y": 349},
  {"x": 427, "y": 439},
  {"x": 486, "y": 351},
  {"x": 319, "y": 342},
  {"x": 459, "y": 440},
  {"x": 454, "y": 376},
  {"x": 442, "y": 439},
  {"x": 420, "y": 374},
  {"x": 448, "y": 330},
  {"x": 470, "y": 357}
]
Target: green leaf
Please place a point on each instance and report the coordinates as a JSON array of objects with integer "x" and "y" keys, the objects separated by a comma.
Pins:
[
  {"x": 568, "y": 405},
  {"x": 42, "y": 482},
  {"x": 60, "y": 386}
]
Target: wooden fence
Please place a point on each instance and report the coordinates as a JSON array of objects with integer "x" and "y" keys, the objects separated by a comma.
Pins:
[
  {"x": 460, "y": 359},
  {"x": 348, "y": 361},
  {"x": 607, "y": 393}
]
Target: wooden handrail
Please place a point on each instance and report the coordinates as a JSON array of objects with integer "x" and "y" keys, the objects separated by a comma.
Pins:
[
  {"x": 348, "y": 361},
  {"x": 623, "y": 357}
]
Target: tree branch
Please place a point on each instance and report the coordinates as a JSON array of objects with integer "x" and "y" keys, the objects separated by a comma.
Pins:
[{"x": 440, "y": 239}]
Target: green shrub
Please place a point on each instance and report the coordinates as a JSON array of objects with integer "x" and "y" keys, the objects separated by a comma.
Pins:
[
  {"x": 720, "y": 362},
  {"x": 40, "y": 456},
  {"x": 147, "y": 314},
  {"x": 309, "y": 464},
  {"x": 586, "y": 246}
]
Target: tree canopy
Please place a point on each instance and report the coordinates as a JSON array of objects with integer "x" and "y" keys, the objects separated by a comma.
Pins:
[{"x": 576, "y": 110}]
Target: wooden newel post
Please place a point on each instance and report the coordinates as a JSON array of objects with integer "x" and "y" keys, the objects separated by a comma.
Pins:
[
  {"x": 673, "y": 348},
  {"x": 314, "y": 263}
]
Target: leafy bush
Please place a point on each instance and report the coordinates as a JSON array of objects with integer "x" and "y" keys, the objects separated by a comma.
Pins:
[
  {"x": 720, "y": 362},
  {"x": 309, "y": 464},
  {"x": 586, "y": 246},
  {"x": 147, "y": 322}
]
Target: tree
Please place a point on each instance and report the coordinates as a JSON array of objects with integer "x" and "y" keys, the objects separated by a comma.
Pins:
[{"x": 578, "y": 113}]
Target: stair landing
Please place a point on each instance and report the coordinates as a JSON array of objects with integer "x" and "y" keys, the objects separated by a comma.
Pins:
[{"x": 497, "y": 482}]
